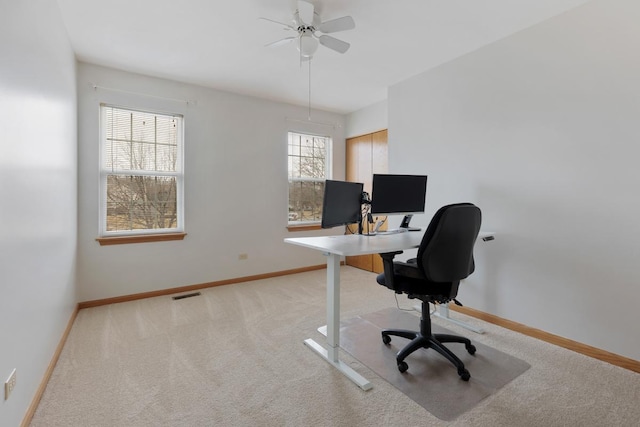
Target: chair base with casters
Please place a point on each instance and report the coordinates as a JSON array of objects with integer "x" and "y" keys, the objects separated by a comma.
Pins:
[{"x": 426, "y": 339}]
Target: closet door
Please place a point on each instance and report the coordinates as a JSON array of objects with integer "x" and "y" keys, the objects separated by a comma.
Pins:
[
  {"x": 380, "y": 164},
  {"x": 366, "y": 155},
  {"x": 359, "y": 169}
]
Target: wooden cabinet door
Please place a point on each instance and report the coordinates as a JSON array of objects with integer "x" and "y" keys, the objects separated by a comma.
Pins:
[
  {"x": 380, "y": 164},
  {"x": 366, "y": 155},
  {"x": 358, "y": 163},
  {"x": 379, "y": 157}
]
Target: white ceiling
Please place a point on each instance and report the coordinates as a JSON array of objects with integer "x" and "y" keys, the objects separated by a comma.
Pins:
[{"x": 220, "y": 43}]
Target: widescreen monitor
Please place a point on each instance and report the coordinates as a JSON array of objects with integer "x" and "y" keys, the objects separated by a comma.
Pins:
[
  {"x": 398, "y": 194},
  {"x": 341, "y": 203}
]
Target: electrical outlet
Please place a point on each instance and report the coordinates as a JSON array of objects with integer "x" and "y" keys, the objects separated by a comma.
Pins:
[
  {"x": 243, "y": 256},
  {"x": 9, "y": 384}
]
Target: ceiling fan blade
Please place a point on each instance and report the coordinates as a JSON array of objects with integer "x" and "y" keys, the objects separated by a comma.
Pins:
[
  {"x": 305, "y": 12},
  {"x": 287, "y": 26},
  {"x": 338, "y": 24},
  {"x": 281, "y": 42},
  {"x": 334, "y": 43}
]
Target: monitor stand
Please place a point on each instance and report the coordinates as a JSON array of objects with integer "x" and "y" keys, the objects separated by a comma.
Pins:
[
  {"x": 405, "y": 223},
  {"x": 369, "y": 220}
]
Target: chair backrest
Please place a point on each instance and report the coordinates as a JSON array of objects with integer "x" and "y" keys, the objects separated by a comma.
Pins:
[{"x": 446, "y": 251}]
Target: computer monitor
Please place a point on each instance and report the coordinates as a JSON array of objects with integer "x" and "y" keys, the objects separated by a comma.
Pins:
[
  {"x": 341, "y": 203},
  {"x": 398, "y": 194}
]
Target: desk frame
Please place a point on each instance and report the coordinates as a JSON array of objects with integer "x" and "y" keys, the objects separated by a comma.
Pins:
[
  {"x": 443, "y": 309},
  {"x": 334, "y": 248},
  {"x": 331, "y": 352}
]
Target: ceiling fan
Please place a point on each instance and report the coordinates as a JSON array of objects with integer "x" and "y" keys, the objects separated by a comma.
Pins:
[{"x": 308, "y": 25}]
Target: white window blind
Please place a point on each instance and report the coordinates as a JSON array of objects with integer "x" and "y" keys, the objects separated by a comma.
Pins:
[{"x": 141, "y": 172}]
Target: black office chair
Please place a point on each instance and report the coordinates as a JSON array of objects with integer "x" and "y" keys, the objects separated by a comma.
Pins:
[{"x": 445, "y": 257}]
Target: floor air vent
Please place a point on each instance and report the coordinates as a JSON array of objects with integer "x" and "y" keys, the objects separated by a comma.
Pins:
[{"x": 195, "y": 294}]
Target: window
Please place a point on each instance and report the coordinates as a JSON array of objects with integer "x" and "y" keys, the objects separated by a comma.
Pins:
[
  {"x": 309, "y": 166},
  {"x": 141, "y": 173}
]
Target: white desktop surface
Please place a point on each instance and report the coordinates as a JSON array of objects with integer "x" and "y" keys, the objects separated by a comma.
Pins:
[
  {"x": 358, "y": 244},
  {"x": 335, "y": 247}
]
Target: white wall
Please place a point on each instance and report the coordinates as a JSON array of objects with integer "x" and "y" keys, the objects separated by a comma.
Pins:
[
  {"x": 37, "y": 194},
  {"x": 236, "y": 187},
  {"x": 541, "y": 131},
  {"x": 367, "y": 120}
]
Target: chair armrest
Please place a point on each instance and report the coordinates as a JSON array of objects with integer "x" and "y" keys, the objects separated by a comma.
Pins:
[{"x": 387, "y": 263}]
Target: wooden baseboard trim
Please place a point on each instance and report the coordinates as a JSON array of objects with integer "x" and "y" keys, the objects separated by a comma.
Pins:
[
  {"x": 596, "y": 353},
  {"x": 47, "y": 374},
  {"x": 163, "y": 292}
]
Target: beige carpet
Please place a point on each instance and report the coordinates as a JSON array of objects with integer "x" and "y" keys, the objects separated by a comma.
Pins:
[
  {"x": 431, "y": 380},
  {"x": 234, "y": 356}
]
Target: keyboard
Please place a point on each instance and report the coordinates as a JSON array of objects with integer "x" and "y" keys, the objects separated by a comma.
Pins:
[{"x": 393, "y": 231}]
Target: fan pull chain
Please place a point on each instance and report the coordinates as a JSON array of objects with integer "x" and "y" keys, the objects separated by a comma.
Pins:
[{"x": 309, "y": 89}]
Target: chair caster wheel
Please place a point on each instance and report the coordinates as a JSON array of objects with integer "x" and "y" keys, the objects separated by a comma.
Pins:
[
  {"x": 402, "y": 367},
  {"x": 471, "y": 349},
  {"x": 464, "y": 375},
  {"x": 386, "y": 339}
]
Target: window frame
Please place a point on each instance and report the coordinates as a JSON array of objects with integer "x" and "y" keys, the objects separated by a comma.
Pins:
[
  {"x": 328, "y": 173},
  {"x": 140, "y": 235}
]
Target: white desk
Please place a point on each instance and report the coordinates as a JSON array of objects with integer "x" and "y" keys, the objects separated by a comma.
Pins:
[{"x": 335, "y": 247}]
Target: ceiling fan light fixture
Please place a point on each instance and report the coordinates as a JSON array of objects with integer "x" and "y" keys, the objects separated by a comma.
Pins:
[
  {"x": 307, "y": 23},
  {"x": 307, "y": 45}
]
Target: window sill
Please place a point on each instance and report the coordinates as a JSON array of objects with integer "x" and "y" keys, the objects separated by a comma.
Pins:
[
  {"x": 142, "y": 238},
  {"x": 305, "y": 227}
]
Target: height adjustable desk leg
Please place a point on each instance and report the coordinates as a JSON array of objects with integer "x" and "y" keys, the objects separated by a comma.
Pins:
[
  {"x": 331, "y": 352},
  {"x": 443, "y": 313},
  {"x": 443, "y": 309}
]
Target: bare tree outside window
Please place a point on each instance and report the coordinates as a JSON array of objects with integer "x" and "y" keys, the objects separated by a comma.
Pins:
[
  {"x": 308, "y": 169},
  {"x": 141, "y": 202},
  {"x": 141, "y": 170}
]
